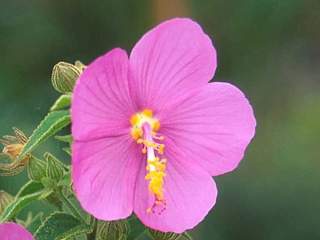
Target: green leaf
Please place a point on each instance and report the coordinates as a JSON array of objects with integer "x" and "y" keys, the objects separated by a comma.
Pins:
[
  {"x": 35, "y": 223},
  {"x": 20, "y": 203},
  {"x": 49, "y": 126},
  {"x": 60, "y": 226},
  {"x": 65, "y": 138},
  {"x": 29, "y": 188},
  {"x": 62, "y": 102},
  {"x": 71, "y": 205},
  {"x": 136, "y": 228},
  {"x": 67, "y": 150}
]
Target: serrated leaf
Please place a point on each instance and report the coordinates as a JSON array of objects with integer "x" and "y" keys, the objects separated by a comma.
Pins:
[
  {"x": 29, "y": 188},
  {"x": 49, "y": 126},
  {"x": 60, "y": 226},
  {"x": 20, "y": 203},
  {"x": 62, "y": 102}
]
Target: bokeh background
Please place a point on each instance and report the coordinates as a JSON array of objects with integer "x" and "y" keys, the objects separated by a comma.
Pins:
[{"x": 268, "y": 48}]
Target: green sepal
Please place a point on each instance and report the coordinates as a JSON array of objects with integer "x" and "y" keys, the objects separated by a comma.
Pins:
[
  {"x": 36, "y": 169},
  {"x": 55, "y": 169},
  {"x": 157, "y": 235},
  {"x": 112, "y": 230},
  {"x": 60, "y": 226},
  {"x": 49, "y": 126},
  {"x": 62, "y": 102},
  {"x": 66, "y": 138}
]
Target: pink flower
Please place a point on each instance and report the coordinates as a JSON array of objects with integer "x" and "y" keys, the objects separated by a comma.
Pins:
[
  {"x": 150, "y": 131},
  {"x": 13, "y": 231}
]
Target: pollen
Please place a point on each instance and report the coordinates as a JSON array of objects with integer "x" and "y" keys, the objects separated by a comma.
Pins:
[
  {"x": 139, "y": 119},
  {"x": 144, "y": 131}
]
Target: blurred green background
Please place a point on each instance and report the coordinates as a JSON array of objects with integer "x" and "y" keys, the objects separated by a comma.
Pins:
[{"x": 269, "y": 48}]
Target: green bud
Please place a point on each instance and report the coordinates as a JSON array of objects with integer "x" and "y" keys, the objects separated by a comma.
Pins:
[
  {"x": 164, "y": 236},
  {"x": 64, "y": 76},
  {"x": 113, "y": 230},
  {"x": 55, "y": 168},
  {"x": 36, "y": 169},
  {"x": 5, "y": 200},
  {"x": 80, "y": 65}
]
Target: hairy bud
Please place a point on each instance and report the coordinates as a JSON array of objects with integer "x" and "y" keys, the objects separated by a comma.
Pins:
[{"x": 65, "y": 75}]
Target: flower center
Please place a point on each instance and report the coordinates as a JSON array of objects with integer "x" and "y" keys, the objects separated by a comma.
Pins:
[{"x": 144, "y": 131}]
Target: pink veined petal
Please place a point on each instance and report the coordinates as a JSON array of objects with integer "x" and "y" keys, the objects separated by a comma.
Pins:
[
  {"x": 173, "y": 57},
  {"x": 104, "y": 173},
  {"x": 101, "y": 105},
  {"x": 212, "y": 127},
  {"x": 13, "y": 231},
  {"x": 189, "y": 192}
]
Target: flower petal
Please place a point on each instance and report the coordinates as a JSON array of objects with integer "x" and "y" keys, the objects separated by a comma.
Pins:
[
  {"x": 101, "y": 104},
  {"x": 175, "y": 55},
  {"x": 13, "y": 231},
  {"x": 189, "y": 192},
  {"x": 104, "y": 173},
  {"x": 212, "y": 127}
]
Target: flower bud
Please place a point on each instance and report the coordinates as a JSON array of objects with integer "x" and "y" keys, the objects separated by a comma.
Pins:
[
  {"x": 113, "y": 230},
  {"x": 5, "y": 200},
  {"x": 164, "y": 236},
  {"x": 54, "y": 169},
  {"x": 65, "y": 75},
  {"x": 36, "y": 169}
]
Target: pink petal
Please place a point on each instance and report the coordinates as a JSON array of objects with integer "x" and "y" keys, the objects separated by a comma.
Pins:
[
  {"x": 104, "y": 173},
  {"x": 13, "y": 231},
  {"x": 174, "y": 56},
  {"x": 101, "y": 105},
  {"x": 212, "y": 127},
  {"x": 189, "y": 191}
]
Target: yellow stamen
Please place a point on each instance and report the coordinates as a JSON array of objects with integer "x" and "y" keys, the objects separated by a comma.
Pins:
[{"x": 144, "y": 131}]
